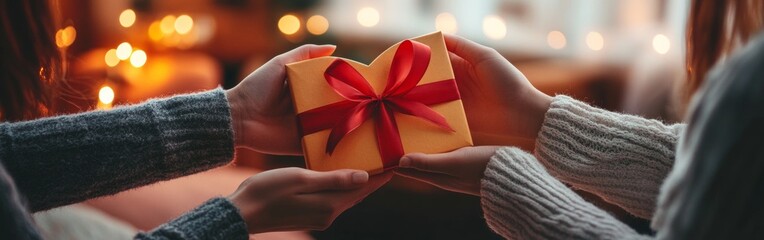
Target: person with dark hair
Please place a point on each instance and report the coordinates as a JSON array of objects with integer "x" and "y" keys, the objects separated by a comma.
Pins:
[
  {"x": 56, "y": 161},
  {"x": 699, "y": 180}
]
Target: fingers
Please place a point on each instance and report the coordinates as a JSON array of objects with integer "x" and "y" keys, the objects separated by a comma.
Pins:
[
  {"x": 345, "y": 179},
  {"x": 436, "y": 179},
  {"x": 467, "y": 49},
  {"x": 439, "y": 163},
  {"x": 305, "y": 52},
  {"x": 346, "y": 199},
  {"x": 462, "y": 68}
]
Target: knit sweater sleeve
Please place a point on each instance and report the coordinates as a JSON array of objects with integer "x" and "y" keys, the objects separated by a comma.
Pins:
[
  {"x": 622, "y": 158},
  {"x": 216, "y": 219},
  {"x": 66, "y": 159},
  {"x": 521, "y": 200}
]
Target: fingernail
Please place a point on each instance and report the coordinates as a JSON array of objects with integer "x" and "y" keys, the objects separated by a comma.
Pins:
[
  {"x": 404, "y": 162},
  {"x": 360, "y": 177}
]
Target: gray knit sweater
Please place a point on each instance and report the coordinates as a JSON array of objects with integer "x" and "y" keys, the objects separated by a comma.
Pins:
[
  {"x": 710, "y": 186},
  {"x": 62, "y": 160}
]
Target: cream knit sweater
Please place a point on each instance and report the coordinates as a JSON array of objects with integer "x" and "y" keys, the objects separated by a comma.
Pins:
[
  {"x": 621, "y": 158},
  {"x": 706, "y": 184}
]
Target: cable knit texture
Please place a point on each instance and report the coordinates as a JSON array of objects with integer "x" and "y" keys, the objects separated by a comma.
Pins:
[
  {"x": 522, "y": 201},
  {"x": 622, "y": 158},
  {"x": 217, "y": 219},
  {"x": 67, "y": 159}
]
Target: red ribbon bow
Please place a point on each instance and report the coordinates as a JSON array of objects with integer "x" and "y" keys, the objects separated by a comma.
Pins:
[{"x": 361, "y": 102}]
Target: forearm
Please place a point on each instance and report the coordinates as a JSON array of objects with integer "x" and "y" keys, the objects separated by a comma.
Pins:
[
  {"x": 216, "y": 219},
  {"x": 522, "y": 201},
  {"x": 622, "y": 158},
  {"x": 66, "y": 159}
]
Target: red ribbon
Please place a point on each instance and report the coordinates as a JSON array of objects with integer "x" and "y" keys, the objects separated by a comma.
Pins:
[{"x": 401, "y": 95}]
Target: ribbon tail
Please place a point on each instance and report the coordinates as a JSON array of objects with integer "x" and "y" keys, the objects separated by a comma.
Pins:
[
  {"x": 388, "y": 138},
  {"x": 420, "y": 110},
  {"x": 351, "y": 122}
]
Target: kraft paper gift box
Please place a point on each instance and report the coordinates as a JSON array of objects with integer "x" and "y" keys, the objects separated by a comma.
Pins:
[{"x": 358, "y": 116}]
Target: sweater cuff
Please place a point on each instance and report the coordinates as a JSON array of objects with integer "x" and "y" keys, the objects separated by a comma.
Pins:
[
  {"x": 522, "y": 201},
  {"x": 622, "y": 158},
  {"x": 195, "y": 130},
  {"x": 216, "y": 219}
]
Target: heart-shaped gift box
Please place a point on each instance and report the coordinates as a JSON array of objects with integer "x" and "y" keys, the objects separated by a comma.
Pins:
[{"x": 366, "y": 117}]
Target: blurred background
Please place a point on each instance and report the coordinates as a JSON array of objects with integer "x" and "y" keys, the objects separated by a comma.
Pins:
[{"x": 623, "y": 55}]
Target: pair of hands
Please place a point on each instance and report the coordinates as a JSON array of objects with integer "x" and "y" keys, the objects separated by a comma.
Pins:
[
  {"x": 289, "y": 198},
  {"x": 299, "y": 199}
]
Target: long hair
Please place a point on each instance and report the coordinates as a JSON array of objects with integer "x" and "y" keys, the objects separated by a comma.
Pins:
[
  {"x": 30, "y": 63},
  {"x": 714, "y": 29}
]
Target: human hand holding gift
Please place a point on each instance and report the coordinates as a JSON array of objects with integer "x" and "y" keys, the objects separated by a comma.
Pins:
[
  {"x": 488, "y": 83},
  {"x": 404, "y": 101}
]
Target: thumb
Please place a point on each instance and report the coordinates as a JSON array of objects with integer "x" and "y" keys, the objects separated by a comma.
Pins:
[
  {"x": 345, "y": 179},
  {"x": 305, "y": 52}
]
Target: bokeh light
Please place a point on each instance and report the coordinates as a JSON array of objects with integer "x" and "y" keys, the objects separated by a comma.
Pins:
[
  {"x": 494, "y": 27},
  {"x": 368, "y": 17},
  {"x": 124, "y": 50},
  {"x": 155, "y": 31},
  {"x": 127, "y": 18},
  {"x": 289, "y": 24},
  {"x": 556, "y": 39},
  {"x": 595, "y": 41},
  {"x": 446, "y": 22},
  {"x": 138, "y": 58},
  {"x": 184, "y": 24},
  {"x": 66, "y": 36},
  {"x": 111, "y": 58},
  {"x": 106, "y": 95},
  {"x": 317, "y": 25},
  {"x": 661, "y": 44},
  {"x": 167, "y": 25}
]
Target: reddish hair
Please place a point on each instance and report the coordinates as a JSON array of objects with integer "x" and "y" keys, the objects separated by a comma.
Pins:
[{"x": 715, "y": 28}]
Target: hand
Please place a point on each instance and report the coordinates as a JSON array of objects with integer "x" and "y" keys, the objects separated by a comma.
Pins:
[
  {"x": 457, "y": 171},
  {"x": 290, "y": 199},
  {"x": 489, "y": 83},
  {"x": 262, "y": 115}
]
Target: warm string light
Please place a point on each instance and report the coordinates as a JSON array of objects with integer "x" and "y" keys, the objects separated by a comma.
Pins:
[
  {"x": 167, "y": 25},
  {"x": 556, "y": 39},
  {"x": 595, "y": 41},
  {"x": 127, "y": 18},
  {"x": 446, "y": 22},
  {"x": 661, "y": 44},
  {"x": 289, "y": 24},
  {"x": 184, "y": 24},
  {"x": 105, "y": 98},
  {"x": 155, "y": 31},
  {"x": 494, "y": 27},
  {"x": 111, "y": 58},
  {"x": 66, "y": 36},
  {"x": 124, "y": 50},
  {"x": 138, "y": 58},
  {"x": 368, "y": 17},
  {"x": 317, "y": 25}
]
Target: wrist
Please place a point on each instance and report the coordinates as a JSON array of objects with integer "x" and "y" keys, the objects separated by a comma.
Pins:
[
  {"x": 244, "y": 206},
  {"x": 539, "y": 106},
  {"x": 234, "y": 102}
]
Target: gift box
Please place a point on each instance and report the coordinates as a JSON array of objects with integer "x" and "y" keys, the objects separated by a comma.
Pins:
[{"x": 366, "y": 117}]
